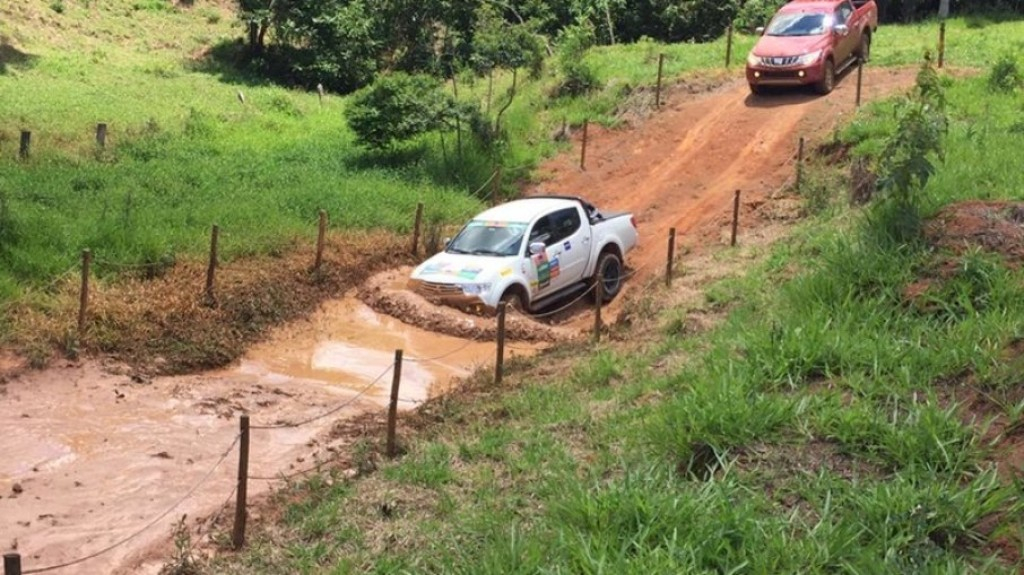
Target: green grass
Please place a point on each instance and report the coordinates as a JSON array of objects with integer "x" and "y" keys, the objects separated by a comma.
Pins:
[{"x": 827, "y": 425}]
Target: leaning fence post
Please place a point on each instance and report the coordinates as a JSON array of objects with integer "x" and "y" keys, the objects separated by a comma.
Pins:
[
  {"x": 83, "y": 296},
  {"x": 657, "y": 90},
  {"x": 583, "y": 150},
  {"x": 598, "y": 297},
  {"x": 735, "y": 217},
  {"x": 321, "y": 231},
  {"x": 212, "y": 267},
  {"x": 238, "y": 534},
  {"x": 26, "y": 144},
  {"x": 101, "y": 135},
  {"x": 12, "y": 564},
  {"x": 499, "y": 362},
  {"x": 396, "y": 380},
  {"x": 728, "y": 46},
  {"x": 671, "y": 256},
  {"x": 799, "y": 163},
  {"x": 416, "y": 229}
]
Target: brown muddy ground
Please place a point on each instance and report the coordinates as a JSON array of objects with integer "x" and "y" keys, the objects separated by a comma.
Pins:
[{"x": 102, "y": 448}]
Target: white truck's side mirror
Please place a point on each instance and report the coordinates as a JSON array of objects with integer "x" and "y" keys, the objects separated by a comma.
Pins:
[{"x": 536, "y": 248}]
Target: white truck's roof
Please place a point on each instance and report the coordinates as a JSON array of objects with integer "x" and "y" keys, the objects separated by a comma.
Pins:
[{"x": 525, "y": 210}]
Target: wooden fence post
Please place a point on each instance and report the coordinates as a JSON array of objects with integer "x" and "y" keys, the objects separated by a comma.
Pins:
[
  {"x": 238, "y": 534},
  {"x": 320, "y": 235},
  {"x": 212, "y": 267},
  {"x": 12, "y": 564},
  {"x": 416, "y": 229},
  {"x": 598, "y": 297},
  {"x": 657, "y": 90},
  {"x": 735, "y": 217},
  {"x": 499, "y": 363},
  {"x": 101, "y": 135},
  {"x": 396, "y": 380},
  {"x": 671, "y": 256},
  {"x": 799, "y": 163},
  {"x": 26, "y": 144},
  {"x": 942, "y": 43},
  {"x": 860, "y": 80},
  {"x": 728, "y": 46},
  {"x": 83, "y": 295},
  {"x": 583, "y": 150},
  {"x": 496, "y": 190}
]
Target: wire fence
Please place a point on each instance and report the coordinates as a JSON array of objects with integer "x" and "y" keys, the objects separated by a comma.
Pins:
[{"x": 361, "y": 393}]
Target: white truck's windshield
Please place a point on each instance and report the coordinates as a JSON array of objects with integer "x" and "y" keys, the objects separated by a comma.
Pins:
[
  {"x": 484, "y": 238},
  {"x": 799, "y": 24}
]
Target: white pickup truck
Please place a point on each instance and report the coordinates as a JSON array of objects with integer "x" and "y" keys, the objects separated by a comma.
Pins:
[{"x": 527, "y": 251}]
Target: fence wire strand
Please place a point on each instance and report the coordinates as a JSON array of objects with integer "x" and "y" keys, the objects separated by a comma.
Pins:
[
  {"x": 124, "y": 540},
  {"x": 332, "y": 411}
]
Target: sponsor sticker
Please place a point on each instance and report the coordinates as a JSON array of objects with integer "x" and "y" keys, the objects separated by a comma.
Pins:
[
  {"x": 506, "y": 272},
  {"x": 567, "y": 245},
  {"x": 469, "y": 273},
  {"x": 553, "y": 268},
  {"x": 540, "y": 261}
]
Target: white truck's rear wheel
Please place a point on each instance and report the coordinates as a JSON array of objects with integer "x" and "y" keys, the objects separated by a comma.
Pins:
[{"x": 611, "y": 272}]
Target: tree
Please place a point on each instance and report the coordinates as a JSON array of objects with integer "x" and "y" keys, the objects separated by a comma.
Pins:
[{"x": 256, "y": 15}]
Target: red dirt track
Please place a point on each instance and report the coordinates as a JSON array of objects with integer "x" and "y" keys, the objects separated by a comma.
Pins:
[{"x": 682, "y": 167}]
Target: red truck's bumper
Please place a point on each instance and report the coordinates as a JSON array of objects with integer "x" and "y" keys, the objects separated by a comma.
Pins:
[{"x": 788, "y": 76}]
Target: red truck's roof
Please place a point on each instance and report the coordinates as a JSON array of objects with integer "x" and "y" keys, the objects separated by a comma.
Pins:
[{"x": 810, "y": 6}]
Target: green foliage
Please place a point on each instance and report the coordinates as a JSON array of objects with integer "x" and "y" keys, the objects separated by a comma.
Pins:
[
  {"x": 755, "y": 13},
  {"x": 498, "y": 43},
  {"x": 906, "y": 161},
  {"x": 398, "y": 107},
  {"x": 578, "y": 77},
  {"x": 1005, "y": 75}
]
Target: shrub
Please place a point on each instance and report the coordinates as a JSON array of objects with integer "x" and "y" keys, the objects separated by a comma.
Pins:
[{"x": 1005, "y": 75}]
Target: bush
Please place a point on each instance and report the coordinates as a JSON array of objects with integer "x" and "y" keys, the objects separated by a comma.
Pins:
[
  {"x": 1005, "y": 76},
  {"x": 756, "y": 13}
]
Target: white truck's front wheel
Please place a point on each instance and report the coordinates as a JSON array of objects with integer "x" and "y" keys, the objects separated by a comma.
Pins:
[{"x": 611, "y": 272}]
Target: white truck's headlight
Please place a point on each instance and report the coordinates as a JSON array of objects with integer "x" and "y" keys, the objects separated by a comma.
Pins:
[
  {"x": 809, "y": 58},
  {"x": 475, "y": 289},
  {"x": 753, "y": 60}
]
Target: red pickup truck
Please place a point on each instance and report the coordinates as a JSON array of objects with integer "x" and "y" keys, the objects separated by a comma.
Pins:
[{"x": 810, "y": 42}]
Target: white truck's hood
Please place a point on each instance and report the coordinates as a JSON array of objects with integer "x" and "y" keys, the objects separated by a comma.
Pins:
[{"x": 463, "y": 269}]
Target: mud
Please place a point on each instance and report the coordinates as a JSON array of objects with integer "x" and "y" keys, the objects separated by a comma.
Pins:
[{"x": 94, "y": 452}]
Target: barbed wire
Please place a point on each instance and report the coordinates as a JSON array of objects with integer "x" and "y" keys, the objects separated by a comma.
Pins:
[
  {"x": 25, "y": 296},
  {"x": 147, "y": 525},
  {"x": 494, "y": 174},
  {"x": 439, "y": 357},
  {"x": 213, "y": 519},
  {"x": 332, "y": 411}
]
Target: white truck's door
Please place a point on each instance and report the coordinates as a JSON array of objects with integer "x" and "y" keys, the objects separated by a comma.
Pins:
[{"x": 567, "y": 240}]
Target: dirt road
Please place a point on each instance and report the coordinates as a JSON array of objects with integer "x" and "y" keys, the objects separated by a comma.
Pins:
[{"x": 93, "y": 455}]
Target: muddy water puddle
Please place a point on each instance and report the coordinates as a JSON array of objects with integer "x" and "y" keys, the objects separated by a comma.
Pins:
[{"x": 92, "y": 455}]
